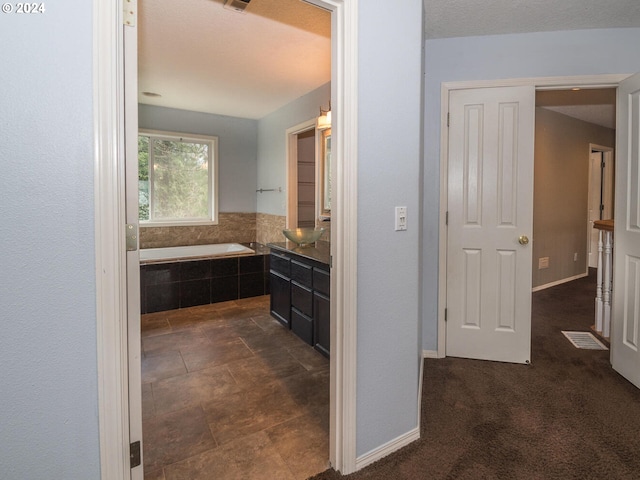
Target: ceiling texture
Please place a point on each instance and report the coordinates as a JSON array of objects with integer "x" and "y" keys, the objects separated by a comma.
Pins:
[{"x": 197, "y": 55}]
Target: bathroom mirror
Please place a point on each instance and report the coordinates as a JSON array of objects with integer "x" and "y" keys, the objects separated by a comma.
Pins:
[{"x": 325, "y": 174}]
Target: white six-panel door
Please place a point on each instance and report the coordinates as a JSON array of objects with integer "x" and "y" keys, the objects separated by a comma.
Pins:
[
  {"x": 625, "y": 329},
  {"x": 490, "y": 219}
]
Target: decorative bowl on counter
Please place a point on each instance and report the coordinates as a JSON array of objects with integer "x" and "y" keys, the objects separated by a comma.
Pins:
[{"x": 303, "y": 236}]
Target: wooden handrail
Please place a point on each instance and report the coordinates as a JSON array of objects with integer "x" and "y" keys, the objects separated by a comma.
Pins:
[{"x": 606, "y": 225}]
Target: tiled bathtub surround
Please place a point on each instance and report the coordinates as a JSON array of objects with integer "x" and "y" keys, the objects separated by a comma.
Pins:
[
  {"x": 231, "y": 228},
  {"x": 269, "y": 228},
  {"x": 168, "y": 286}
]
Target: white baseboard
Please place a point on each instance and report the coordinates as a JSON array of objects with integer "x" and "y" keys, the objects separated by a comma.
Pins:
[
  {"x": 387, "y": 448},
  {"x": 558, "y": 282},
  {"x": 430, "y": 354}
]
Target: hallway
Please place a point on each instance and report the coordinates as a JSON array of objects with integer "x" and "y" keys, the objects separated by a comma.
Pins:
[{"x": 568, "y": 415}]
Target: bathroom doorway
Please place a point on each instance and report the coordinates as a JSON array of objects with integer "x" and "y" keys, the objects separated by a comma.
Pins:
[{"x": 313, "y": 148}]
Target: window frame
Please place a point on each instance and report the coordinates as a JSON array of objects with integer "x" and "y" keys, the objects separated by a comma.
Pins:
[{"x": 212, "y": 170}]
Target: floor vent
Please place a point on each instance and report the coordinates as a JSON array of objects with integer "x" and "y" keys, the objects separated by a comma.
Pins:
[{"x": 585, "y": 340}]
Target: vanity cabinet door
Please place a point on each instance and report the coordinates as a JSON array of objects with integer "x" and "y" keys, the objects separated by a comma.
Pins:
[
  {"x": 280, "y": 299},
  {"x": 321, "y": 281},
  {"x": 280, "y": 264},
  {"x": 302, "y": 326},
  {"x": 321, "y": 323},
  {"x": 302, "y": 299},
  {"x": 301, "y": 274}
]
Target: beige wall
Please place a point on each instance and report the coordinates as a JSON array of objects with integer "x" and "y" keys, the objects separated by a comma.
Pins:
[{"x": 560, "y": 193}]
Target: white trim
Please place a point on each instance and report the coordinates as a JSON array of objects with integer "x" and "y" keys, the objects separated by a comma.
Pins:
[
  {"x": 291, "y": 164},
  {"x": 389, "y": 447},
  {"x": 213, "y": 183},
  {"x": 543, "y": 83},
  {"x": 420, "y": 378},
  {"x": 540, "y": 83},
  {"x": 558, "y": 282},
  {"x": 134, "y": 344},
  {"x": 344, "y": 230},
  {"x": 430, "y": 354},
  {"x": 607, "y": 157},
  {"x": 111, "y": 283},
  {"x": 444, "y": 195}
]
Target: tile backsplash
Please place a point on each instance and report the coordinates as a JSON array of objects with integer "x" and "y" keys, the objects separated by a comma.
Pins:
[
  {"x": 269, "y": 228},
  {"x": 232, "y": 228}
]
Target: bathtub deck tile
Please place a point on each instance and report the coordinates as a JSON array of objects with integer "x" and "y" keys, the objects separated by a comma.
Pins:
[
  {"x": 196, "y": 270},
  {"x": 164, "y": 296},
  {"x": 195, "y": 292},
  {"x": 251, "y": 285},
  {"x": 252, "y": 264},
  {"x": 224, "y": 267},
  {"x": 224, "y": 289}
]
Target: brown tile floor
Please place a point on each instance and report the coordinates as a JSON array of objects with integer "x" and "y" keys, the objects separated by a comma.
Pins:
[{"x": 228, "y": 393}]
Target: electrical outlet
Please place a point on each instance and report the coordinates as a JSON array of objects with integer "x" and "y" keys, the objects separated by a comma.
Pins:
[
  {"x": 543, "y": 262},
  {"x": 401, "y": 218},
  {"x": 575, "y": 257}
]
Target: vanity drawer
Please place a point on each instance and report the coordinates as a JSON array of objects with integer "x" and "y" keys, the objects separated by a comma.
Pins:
[
  {"x": 321, "y": 281},
  {"x": 302, "y": 326},
  {"x": 280, "y": 264},
  {"x": 301, "y": 273},
  {"x": 302, "y": 298}
]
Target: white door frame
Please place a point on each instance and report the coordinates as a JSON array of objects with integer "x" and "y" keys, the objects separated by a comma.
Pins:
[
  {"x": 540, "y": 83},
  {"x": 111, "y": 294},
  {"x": 292, "y": 168},
  {"x": 607, "y": 157}
]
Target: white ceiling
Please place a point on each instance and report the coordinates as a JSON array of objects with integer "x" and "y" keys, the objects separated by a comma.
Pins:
[
  {"x": 597, "y": 105},
  {"x": 200, "y": 56},
  {"x": 463, "y": 18}
]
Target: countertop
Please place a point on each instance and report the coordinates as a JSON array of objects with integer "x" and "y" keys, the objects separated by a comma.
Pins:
[{"x": 321, "y": 252}]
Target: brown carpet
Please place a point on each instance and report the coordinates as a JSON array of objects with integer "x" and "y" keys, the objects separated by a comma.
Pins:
[{"x": 566, "y": 416}]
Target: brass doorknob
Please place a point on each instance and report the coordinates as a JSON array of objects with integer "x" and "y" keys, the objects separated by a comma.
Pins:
[{"x": 523, "y": 240}]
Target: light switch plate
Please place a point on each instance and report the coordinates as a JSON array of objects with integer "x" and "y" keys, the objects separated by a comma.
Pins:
[{"x": 401, "y": 219}]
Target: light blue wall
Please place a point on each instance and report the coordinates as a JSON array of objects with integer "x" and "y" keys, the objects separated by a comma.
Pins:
[
  {"x": 272, "y": 168},
  {"x": 48, "y": 374},
  {"x": 581, "y": 52},
  {"x": 237, "y": 147},
  {"x": 389, "y": 169}
]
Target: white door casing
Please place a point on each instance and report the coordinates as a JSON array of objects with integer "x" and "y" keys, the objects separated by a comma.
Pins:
[
  {"x": 131, "y": 218},
  {"x": 595, "y": 201},
  {"x": 600, "y": 195},
  {"x": 292, "y": 170},
  {"x": 490, "y": 211},
  {"x": 625, "y": 328}
]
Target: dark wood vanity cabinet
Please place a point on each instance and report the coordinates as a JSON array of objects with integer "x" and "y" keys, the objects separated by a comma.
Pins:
[
  {"x": 321, "y": 310},
  {"x": 279, "y": 284},
  {"x": 300, "y": 297}
]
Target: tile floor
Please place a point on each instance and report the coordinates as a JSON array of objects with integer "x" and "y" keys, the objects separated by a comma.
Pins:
[{"x": 228, "y": 393}]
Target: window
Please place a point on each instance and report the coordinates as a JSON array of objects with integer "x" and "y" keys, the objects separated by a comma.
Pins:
[{"x": 177, "y": 178}]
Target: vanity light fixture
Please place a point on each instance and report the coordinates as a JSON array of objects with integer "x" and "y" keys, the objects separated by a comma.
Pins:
[
  {"x": 236, "y": 5},
  {"x": 324, "y": 120}
]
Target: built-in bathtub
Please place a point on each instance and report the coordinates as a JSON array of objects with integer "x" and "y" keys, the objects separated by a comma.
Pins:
[
  {"x": 180, "y": 277},
  {"x": 165, "y": 254}
]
